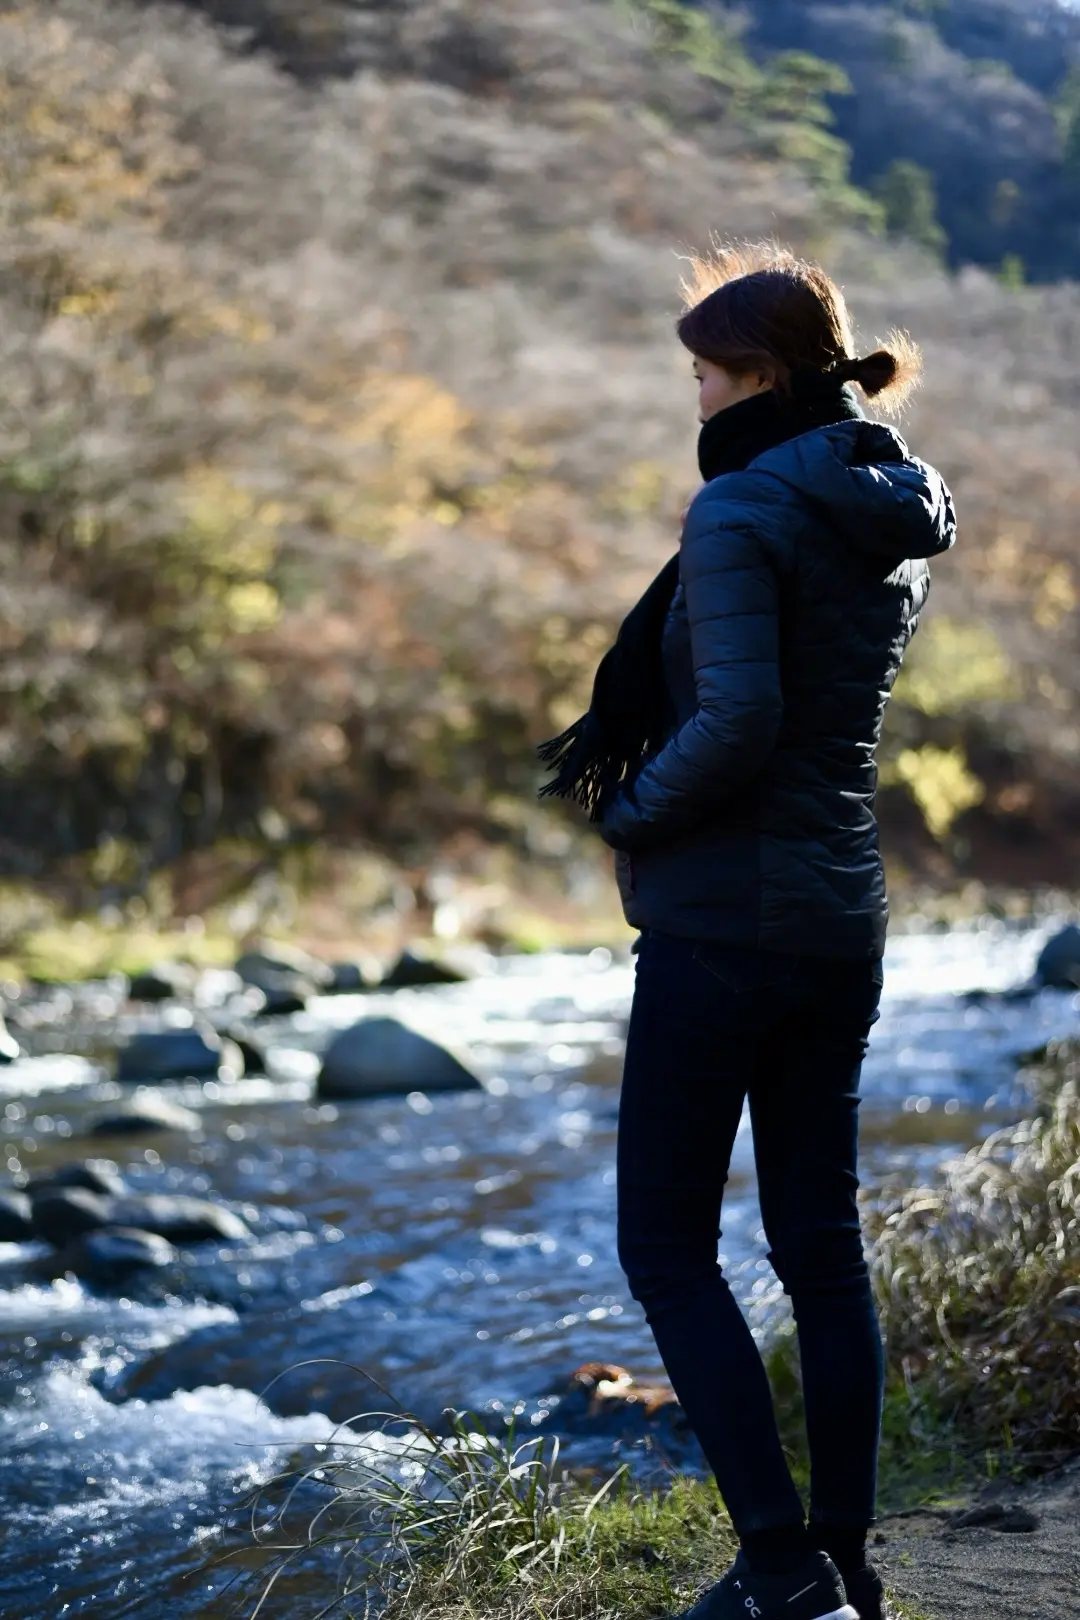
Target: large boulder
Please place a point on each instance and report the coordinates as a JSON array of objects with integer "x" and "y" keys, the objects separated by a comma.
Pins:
[
  {"x": 61, "y": 1214},
  {"x": 379, "y": 1056},
  {"x": 179, "y": 1219},
  {"x": 110, "y": 1256},
  {"x": 16, "y": 1221},
  {"x": 143, "y": 1114},
  {"x": 195, "y": 1052},
  {"x": 1058, "y": 967},
  {"x": 96, "y": 1175},
  {"x": 413, "y": 969}
]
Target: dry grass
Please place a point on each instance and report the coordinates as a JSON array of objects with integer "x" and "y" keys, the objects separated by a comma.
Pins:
[{"x": 978, "y": 1278}]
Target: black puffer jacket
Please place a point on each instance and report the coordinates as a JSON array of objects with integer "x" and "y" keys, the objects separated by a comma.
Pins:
[{"x": 801, "y": 583}]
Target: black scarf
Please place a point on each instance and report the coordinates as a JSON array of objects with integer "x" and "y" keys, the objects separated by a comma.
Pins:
[{"x": 629, "y": 717}]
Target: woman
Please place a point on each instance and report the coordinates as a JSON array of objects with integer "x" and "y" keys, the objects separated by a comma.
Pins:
[{"x": 728, "y": 757}]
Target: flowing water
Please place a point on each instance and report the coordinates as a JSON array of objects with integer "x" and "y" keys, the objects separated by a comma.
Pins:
[{"x": 459, "y": 1248}]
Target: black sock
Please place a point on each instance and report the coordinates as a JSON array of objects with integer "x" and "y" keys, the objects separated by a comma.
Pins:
[
  {"x": 845, "y": 1546},
  {"x": 776, "y": 1552}
]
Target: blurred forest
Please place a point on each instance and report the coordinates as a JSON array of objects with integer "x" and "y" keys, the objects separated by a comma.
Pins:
[
  {"x": 963, "y": 117},
  {"x": 343, "y": 419}
]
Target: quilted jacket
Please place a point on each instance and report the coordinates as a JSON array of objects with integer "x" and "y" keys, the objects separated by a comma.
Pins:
[{"x": 801, "y": 583}]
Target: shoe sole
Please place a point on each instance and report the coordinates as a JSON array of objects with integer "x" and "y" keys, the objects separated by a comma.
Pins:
[{"x": 846, "y": 1613}]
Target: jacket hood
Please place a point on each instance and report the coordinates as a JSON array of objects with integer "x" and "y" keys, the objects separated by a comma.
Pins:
[{"x": 870, "y": 489}]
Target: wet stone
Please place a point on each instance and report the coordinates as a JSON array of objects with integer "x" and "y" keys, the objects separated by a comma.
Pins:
[
  {"x": 166, "y": 982},
  {"x": 287, "y": 977},
  {"x": 378, "y": 1056},
  {"x": 180, "y": 1219},
  {"x": 96, "y": 1175},
  {"x": 1058, "y": 967},
  {"x": 348, "y": 979},
  {"x": 9, "y": 1046},
  {"x": 412, "y": 969},
  {"x": 197, "y": 1053},
  {"x": 16, "y": 1225},
  {"x": 253, "y": 1056},
  {"x": 600, "y": 1399},
  {"x": 61, "y": 1214},
  {"x": 289, "y": 995},
  {"x": 144, "y": 1115},
  {"x": 110, "y": 1256}
]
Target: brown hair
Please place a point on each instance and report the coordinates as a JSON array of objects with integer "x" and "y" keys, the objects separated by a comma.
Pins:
[{"x": 750, "y": 305}]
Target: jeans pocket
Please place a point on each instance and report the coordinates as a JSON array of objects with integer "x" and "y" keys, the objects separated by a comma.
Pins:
[{"x": 743, "y": 970}]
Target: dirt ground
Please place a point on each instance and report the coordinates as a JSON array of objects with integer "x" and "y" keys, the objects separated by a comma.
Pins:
[{"x": 1010, "y": 1554}]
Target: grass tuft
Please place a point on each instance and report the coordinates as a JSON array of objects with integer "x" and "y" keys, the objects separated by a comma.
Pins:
[
  {"x": 978, "y": 1280},
  {"x": 472, "y": 1524}
]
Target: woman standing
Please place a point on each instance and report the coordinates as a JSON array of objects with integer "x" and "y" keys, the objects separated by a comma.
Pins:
[{"x": 728, "y": 756}]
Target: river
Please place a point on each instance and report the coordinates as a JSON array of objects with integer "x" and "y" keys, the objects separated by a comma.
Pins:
[{"x": 460, "y": 1247}]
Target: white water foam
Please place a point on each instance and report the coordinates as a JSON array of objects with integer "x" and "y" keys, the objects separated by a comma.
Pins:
[
  {"x": 28, "y": 1076},
  {"x": 99, "y": 1457},
  {"x": 43, "y": 1308},
  {"x": 989, "y": 956}
]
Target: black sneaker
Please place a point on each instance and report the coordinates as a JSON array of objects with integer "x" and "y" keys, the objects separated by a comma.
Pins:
[
  {"x": 866, "y": 1594},
  {"x": 812, "y": 1592}
]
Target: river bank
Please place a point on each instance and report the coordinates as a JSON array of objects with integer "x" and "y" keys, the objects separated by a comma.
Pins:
[{"x": 460, "y": 1247}]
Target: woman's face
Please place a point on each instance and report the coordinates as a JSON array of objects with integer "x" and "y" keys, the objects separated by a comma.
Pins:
[{"x": 720, "y": 388}]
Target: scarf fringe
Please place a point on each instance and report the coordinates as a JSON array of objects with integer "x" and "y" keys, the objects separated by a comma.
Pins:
[{"x": 580, "y": 775}]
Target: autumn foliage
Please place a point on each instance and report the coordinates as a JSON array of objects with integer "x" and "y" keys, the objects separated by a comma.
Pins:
[{"x": 342, "y": 419}]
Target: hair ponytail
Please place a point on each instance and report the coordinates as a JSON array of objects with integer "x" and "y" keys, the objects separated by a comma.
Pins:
[
  {"x": 889, "y": 375},
  {"x": 750, "y": 305}
]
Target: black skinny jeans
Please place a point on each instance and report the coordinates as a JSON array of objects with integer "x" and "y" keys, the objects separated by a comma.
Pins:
[{"x": 711, "y": 1025}]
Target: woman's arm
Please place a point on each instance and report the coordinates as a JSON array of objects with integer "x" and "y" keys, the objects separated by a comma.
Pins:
[{"x": 731, "y": 601}]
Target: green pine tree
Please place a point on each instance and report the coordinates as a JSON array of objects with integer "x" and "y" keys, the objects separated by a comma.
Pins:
[{"x": 907, "y": 193}]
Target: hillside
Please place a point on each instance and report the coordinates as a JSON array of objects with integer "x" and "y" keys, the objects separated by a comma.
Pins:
[
  {"x": 982, "y": 95},
  {"x": 343, "y": 420}
]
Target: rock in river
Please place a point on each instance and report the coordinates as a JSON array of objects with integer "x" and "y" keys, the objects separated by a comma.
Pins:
[
  {"x": 96, "y": 1175},
  {"x": 147, "y": 1111},
  {"x": 16, "y": 1224},
  {"x": 254, "y": 1058},
  {"x": 287, "y": 977},
  {"x": 109, "y": 1256},
  {"x": 602, "y": 1401},
  {"x": 60, "y": 1214},
  {"x": 289, "y": 995},
  {"x": 269, "y": 967},
  {"x": 348, "y": 979},
  {"x": 9, "y": 1046},
  {"x": 194, "y": 1053},
  {"x": 167, "y": 981},
  {"x": 179, "y": 1218},
  {"x": 378, "y": 1056},
  {"x": 413, "y": 969},
  {"x": 1058, "y": 967}
]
